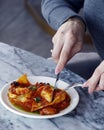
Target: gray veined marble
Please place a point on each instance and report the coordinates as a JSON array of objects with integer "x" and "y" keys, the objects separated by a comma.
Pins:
[{"x": 88, "y": 115}]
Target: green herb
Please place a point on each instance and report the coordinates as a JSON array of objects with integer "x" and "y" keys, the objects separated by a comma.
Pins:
[
  {"x": 32, "y": 87},
  {"x": 37, "y": 99}
]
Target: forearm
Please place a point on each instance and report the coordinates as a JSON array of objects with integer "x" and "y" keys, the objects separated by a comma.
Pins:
[{"x": 56, "y": 12}]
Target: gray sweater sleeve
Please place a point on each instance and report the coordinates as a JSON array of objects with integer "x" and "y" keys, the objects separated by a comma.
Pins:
[{"x": 56, "y": 12}]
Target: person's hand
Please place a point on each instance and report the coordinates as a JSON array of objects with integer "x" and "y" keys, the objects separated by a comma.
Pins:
[
  {"x": 67, "y": 42},
  {"x": 96, "y": 82}
]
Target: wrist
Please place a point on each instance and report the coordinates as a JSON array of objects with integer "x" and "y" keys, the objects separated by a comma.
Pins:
[{"x": 78, "y": 21}]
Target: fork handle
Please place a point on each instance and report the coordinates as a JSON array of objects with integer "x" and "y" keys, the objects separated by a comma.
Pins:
[
  {"x": 57, "y": 78},
  {"x": 73, "y": 86}
]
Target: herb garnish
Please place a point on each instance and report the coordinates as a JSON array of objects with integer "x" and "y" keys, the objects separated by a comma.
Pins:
[
  {"x": 37, "y": 99},
  {"x": 32, "y": 87}
]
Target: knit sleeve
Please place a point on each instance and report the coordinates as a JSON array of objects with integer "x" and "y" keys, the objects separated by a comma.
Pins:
[{"x": 56, "y": 12}]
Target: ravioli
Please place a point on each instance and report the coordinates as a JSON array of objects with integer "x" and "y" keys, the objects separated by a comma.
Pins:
[{"x": 38, "y": 97}]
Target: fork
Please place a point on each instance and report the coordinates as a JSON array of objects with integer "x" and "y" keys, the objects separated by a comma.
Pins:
[
  {"x": 57, "y": 78},
  {"x": 55, "y": 85},
  {"x": 73, "y": 85}
]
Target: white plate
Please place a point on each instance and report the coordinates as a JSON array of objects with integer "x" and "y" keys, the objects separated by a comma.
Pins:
[{"x": 33, "y": 79}]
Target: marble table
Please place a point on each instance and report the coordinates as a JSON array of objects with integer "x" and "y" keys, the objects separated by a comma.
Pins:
[{"x": 88, "y": 115}]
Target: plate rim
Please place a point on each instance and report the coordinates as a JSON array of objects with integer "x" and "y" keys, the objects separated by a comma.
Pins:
[{"x": 18, "y": 112}]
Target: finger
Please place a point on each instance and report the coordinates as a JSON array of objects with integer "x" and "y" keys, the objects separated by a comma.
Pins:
[
  {"x": 65, "y": 54},
  {"x": 93, "y": 81},
  {"x": 101, "y": 82},
  {"x": 99, "y": 73},
  {"x": 97, "y": 88},
  {"x": 56, "y": 37},
  {"x": 57, "y": 47},
  {"x": 85, "y": 84}
]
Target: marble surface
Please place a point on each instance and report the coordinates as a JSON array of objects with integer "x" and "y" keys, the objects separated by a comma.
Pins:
[{"x": 88, "y": 115}]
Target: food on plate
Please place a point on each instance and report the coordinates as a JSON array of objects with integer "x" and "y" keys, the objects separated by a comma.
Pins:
[{"x": 38, "y": 97}]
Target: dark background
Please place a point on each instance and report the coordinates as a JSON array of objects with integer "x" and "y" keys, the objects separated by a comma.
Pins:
[{"x": 21, "y": 28}]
